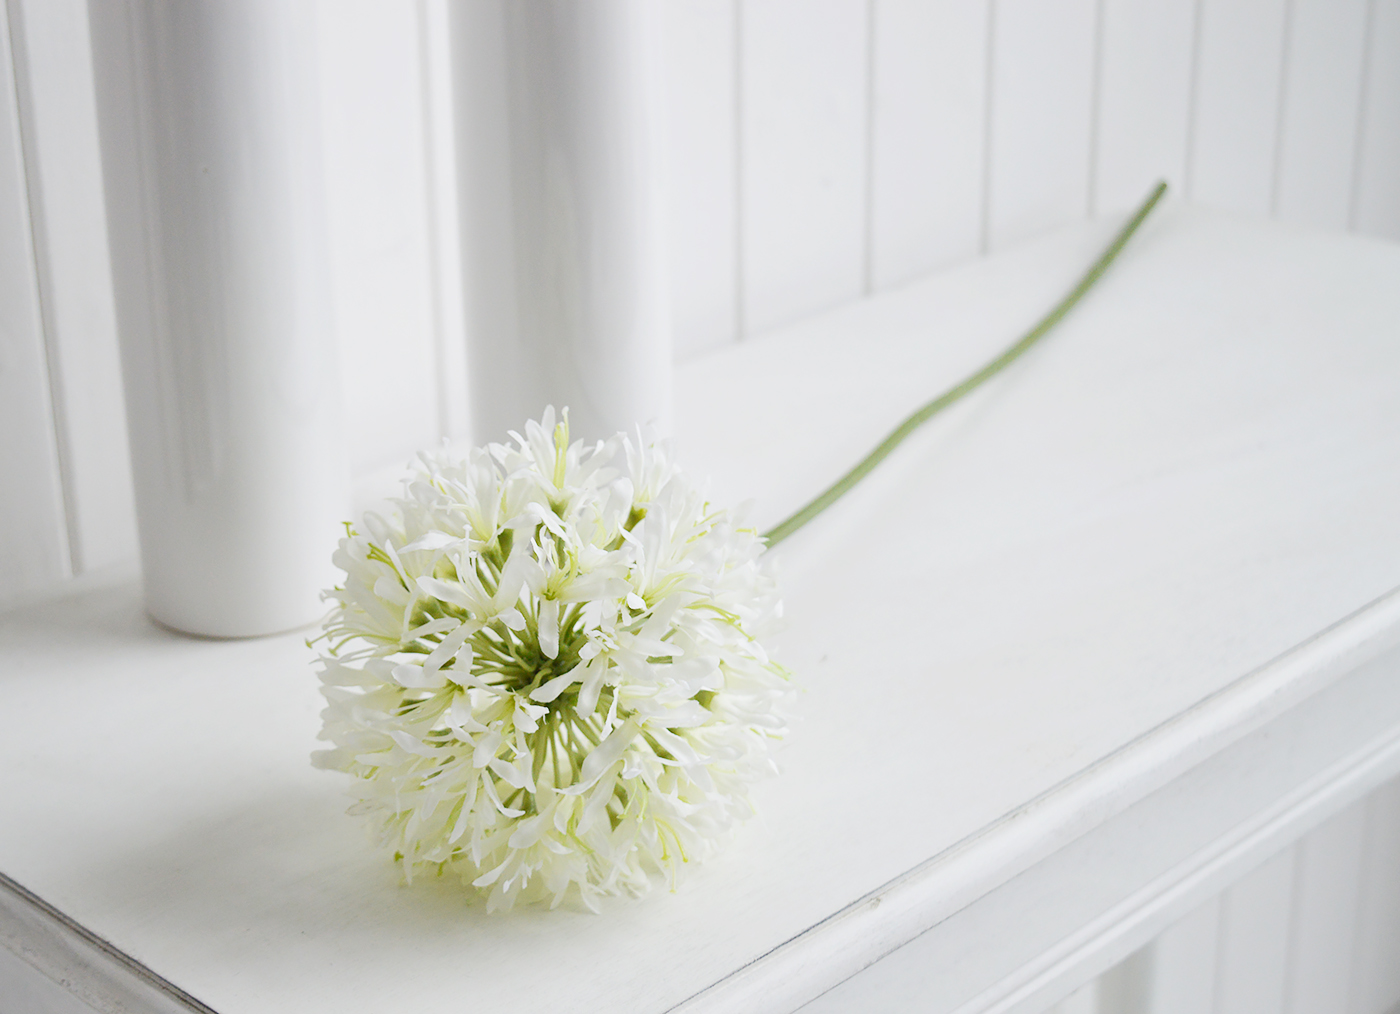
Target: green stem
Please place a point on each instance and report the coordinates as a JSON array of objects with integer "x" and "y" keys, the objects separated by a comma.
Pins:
[{"x": 971, "y": 383}]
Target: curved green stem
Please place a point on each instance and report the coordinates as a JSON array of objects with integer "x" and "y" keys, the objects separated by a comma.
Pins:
[{"x": 971, "y": 383}]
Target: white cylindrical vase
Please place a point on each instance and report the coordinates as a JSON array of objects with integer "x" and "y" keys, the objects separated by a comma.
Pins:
[
  {"x": 562, "y": 213},
  {"x": 209, "y": 120}
]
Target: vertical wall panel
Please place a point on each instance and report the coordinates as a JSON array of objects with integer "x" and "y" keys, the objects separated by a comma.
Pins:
[
  {"x": 1144, "y": 99},
  {"x": 1254, "y": 922},
  {"x": 1043, "y": 60},
  {"x": 33, "y": 543},
  {"x": 1376, "y": 972},
  {"x": 443, "y": 218},
  {"x": 803, "y": 151},
  {"x": 26, "y": 990},
  {"x": 485, "y": 204},
  {"x": 1317, "y": 144},
  {"x": 1126, "y": 988},
  {"x": 699, "y": 69},
  {"x": 1183, "y": 960},
  {"x": 1377, "y": 199},
  {"x": 1239, "y": 72},
  {"x": 1327, "y": 892},
  {"x": 930, "y": 81},
  {"x": 376, "y": 207},
  {"x": 70, "y": 225}
]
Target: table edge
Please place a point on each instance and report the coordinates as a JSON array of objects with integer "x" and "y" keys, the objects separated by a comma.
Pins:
[{"x": 869, "y": 928}]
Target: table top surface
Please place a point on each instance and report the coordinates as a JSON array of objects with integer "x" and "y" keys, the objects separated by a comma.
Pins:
[{"x": 1197, "y": 472}]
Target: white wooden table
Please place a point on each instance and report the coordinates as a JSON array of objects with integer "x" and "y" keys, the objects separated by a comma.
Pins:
[{"x": 1074, "y": 657}]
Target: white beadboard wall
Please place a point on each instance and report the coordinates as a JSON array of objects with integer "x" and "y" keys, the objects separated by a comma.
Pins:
[
  {"x": 818, "y": 150},
  {"x": 823, "y": 149}
]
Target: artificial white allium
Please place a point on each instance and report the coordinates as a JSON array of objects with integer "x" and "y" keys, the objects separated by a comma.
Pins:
[{"x": 543, "y": 670}]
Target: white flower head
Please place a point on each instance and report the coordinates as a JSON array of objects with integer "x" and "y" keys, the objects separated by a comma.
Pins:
[{"x": 543, "y": 670}]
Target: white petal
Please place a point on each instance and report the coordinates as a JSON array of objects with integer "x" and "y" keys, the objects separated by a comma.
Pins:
[
  {"x": 549, "y": 628},
  {"x": 527, "y": 832},
  {"x": 430, "y": 540},
  {"x": 594, "y": 673},
  {"x": 447, "y": 648},
  {"x": 415, "y": 677},
  {"x": 446, "y": 592},
  {"x": 551, "y": 689},
  {"x": 510, "y": 773},
  {"x": 604, "y": 756}
]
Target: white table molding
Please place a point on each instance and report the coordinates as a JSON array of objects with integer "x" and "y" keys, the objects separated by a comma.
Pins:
[
  {"x": 1129, "y": 901},
  {"x": 1082, "y": 652},
  {"x": 101, "y": 975},
  {"x": 1082, "y": 811}
]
